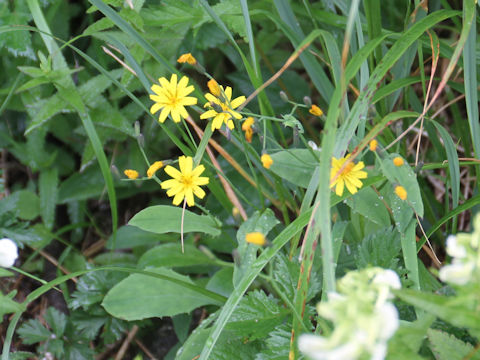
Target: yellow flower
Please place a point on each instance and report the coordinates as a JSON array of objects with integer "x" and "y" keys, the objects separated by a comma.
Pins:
[
  {"x": 256, "y": 238},
  {"x": 186, "y": 182},
  {"x": 373, "y": 145},
  {"x": 131, "y": 174},
  {"x": 247, "y": 127},
  {"x": 221, "y": 108},
  {"x": 349, "y": 177},
  {"x": 401, "y": 192},
  {"x": 187, "y": 58},
  {"x": 315, "y": 110},
  {"x": 172, "y": 98},
  {"x": 267, "y": 161},
  {"x": 398, "y": 161},
  {"x": 214, "y": 88},
  {"x": 153, "y": 168}
]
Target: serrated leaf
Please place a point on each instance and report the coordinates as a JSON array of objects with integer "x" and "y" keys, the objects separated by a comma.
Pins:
[
  {"x": 227, "y": 348},
  {"x": 447, "y": 347},
  {"x": 140, "y": 296},
  {"x": 18, "y": 43},
  {"x": 99, "y": 25},
  {"x": 367, "y": 203},
  {"x": 170, "y": 255},
  {"x": 92, "y": 288},
  {"x": 26, "y": 203},
  {"x": 379, "y": 249},
  {"x": 301, "y": 160},
  {"x": 247, "y": 253},
  {"x": 163, "y": 219},
  {"x": 277, "y": 343},
  {"x": 57, "y": 321},
  {"x": 231, "y": 13},
  {"x": 404, "y": 176},
  {"x": 48, "y": 188},
  {"x": 256, "y": 315},
  {"x": 33, "y": 332}
]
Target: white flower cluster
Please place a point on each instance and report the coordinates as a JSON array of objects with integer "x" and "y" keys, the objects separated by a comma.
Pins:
[
  {"x": 8, "y": 252},
  {"x": 465, "y": 252},
  {"x": 363, "y": 317}
]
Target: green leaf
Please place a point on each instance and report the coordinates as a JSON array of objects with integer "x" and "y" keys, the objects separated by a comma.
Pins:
[
  {"x": 7, "y": 305},
  {"x": 300, "y": 160},
  {"x": 247, "y": 253},
  {"x": 48, "y": 188},
  {"x": 230, "y": 12},
  {"x": 57, "y": 321},
  {"x": 368, "y": 204},
  {"x": 447, "y": 347},
  {"x": 25, "y": 202},
  {"x": 140, "y": 296},
  {"x": 162, "y": 219},
  {"x": 170, "y": 255},
  {"x": 33, "y": 332},
  {"x": 278, "y": 344},
  {"x": 403, "y": 176},
  {"x": 379, "y": 249},
  {"x": 129, "y": 237},
  {"x": 256, "y": 316},
  {"x": 5, "y": 273},
  {"x": 221, "y": 282},
  {"x": 18, "y": 43}
]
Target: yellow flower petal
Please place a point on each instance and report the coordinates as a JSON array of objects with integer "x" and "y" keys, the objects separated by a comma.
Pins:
[
  {"x": 315, "y": 110},
  {"x": 398, "y": 161},
  {"x": 267, "y": 161},
  {"x": 187, "y": 58},
  {"x": 373, "y": 145},
  {"x": 154, "y": 168}
]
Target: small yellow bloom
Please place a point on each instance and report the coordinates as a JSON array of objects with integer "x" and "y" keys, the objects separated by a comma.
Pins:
[
  {"x": 349, "y": 177},
  {"x": 214, "y": 87},
  {"x": 373, "y": 145},
  {"x": 131, "y": 174},
  {"x": 172, "y": 98},
  {"x": 247, "y": 127},
  {"x": 153, "y": 168},
  {"x": 186, "y": 182},
  {"x": 224, "y": 104},
  {"x": 187, "y": 58},
  {"x": 256, "y": 238},
  {"x": 398, "y": 161},
  {"x": 267, "y": 161},
  {"x": 315, "y": 110},
  {"x": 401, "y": 192}
]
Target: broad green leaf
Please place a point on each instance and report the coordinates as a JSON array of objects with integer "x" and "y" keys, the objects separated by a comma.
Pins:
[
  {"x": 404, "y": 176},
  {"x": 401, "y": 211},
  {"x": 170, "y": 255},
  {"x": 48, "y": 188},
  {"x": 5, "y": 273},
  {"x": 24, "y": 203},
  {"x": 140, "y": 296},
  {"x": 367, "y": 203},
  {"x": 221, "y": 282},
  {"x": 162, "y": 219},
  {"x": 56, "y": 320},
  {"x": 447, "y": 347},
  {"x": 296, "y": 166},
  {"x": 129, "y": 237}
]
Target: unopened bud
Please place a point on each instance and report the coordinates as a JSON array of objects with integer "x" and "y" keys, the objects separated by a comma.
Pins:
[
  {"x": 137, "y": 128},
  {"x": 283, "y": 96},
  {"x": 141, "y": 140}
]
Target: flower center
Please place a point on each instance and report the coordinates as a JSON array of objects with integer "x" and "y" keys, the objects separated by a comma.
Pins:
[{"x": 187, "y": 181}]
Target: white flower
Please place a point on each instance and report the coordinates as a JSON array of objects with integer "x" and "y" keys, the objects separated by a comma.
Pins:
[
  {"x": 454, "y": 249},
  {"x": 8, "y": 252},
  {"x": 388, "y": 278},
  {"x": 457, "y": 273}
]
